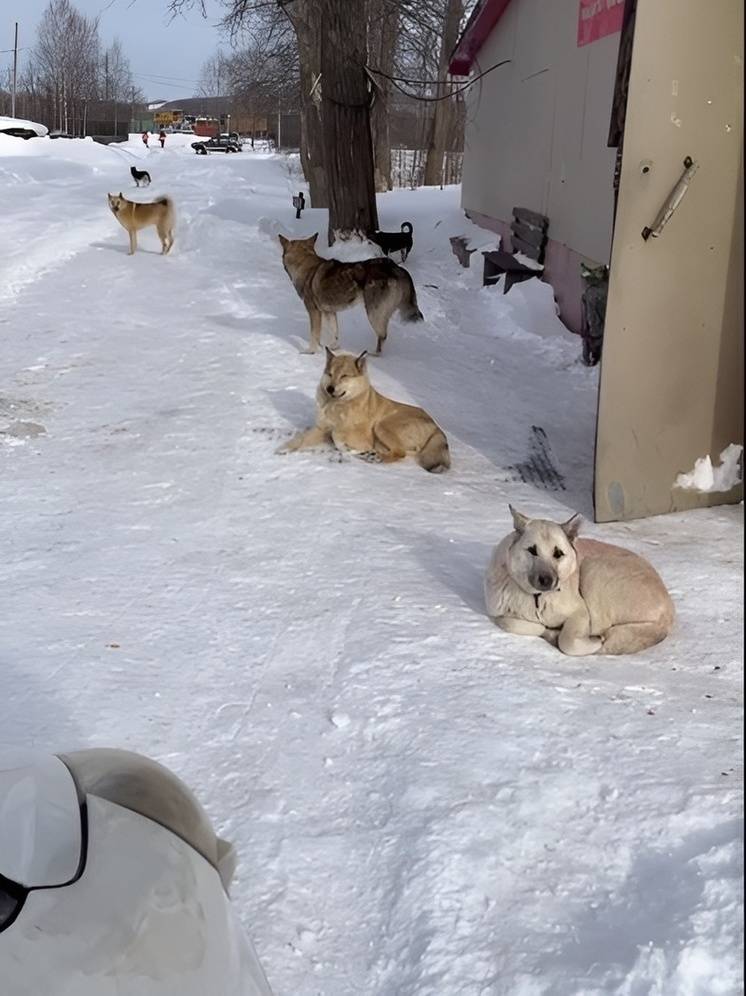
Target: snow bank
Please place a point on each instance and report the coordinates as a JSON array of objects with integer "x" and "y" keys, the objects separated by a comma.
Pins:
[
  {"x": 87, "y": 152},
  {"x": 705, "y": 477},
  {"x": 12, "y": 146}
]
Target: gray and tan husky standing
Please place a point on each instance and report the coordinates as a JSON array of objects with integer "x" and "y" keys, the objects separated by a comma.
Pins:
[
  {"x": 133, "y": 216},
  {"x": 353, "y": 416},
  {"x": 327, "y": 286},
  {"x": 584, "y": 596}
]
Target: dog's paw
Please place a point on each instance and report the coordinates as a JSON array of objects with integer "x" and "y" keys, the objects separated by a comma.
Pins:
[
  {"x": 289, "y": 446},
  {"x": 309, "y": 350},
  {"x": 580, "y": 646},
  {"x": 370, "y": 456}
]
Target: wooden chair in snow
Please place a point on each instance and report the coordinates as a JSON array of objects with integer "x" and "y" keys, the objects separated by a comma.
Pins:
[{"x": 528, "y": 235}]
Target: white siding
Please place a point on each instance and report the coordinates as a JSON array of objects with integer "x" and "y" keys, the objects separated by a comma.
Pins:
[{"x": 537, "y": 128}]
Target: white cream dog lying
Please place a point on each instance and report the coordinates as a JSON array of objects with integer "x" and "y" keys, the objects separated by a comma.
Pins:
[{"x": 583, "y": 596}]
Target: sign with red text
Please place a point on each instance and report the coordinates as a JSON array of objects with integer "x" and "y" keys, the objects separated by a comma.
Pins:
[{"x": 598, "y": 18}]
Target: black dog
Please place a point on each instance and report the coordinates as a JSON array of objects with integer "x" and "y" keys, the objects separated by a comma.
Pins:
[
  {"x": 140, "y": 176},
  {"x": 395, "y": 241}
]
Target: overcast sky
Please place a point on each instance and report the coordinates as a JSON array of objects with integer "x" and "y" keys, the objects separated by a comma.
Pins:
[{"x": 165, "y": 56}]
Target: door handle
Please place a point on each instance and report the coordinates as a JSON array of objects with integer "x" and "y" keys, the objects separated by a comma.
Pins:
[{"x": 672, "y": 201}]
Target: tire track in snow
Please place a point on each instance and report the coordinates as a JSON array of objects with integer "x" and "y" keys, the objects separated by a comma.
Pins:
[{"x": 56, "y": 246}]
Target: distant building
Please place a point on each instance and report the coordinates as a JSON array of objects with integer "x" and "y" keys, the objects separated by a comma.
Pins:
[{"x": 212, "y": 115}]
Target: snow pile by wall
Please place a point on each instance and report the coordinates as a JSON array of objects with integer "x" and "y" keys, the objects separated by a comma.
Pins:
[{"x": 705, "y": 477}]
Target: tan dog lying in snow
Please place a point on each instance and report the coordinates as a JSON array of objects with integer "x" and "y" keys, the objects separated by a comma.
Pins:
[
  {"x": 351, "y": 414},
  {"x": 584, "y": 596}
]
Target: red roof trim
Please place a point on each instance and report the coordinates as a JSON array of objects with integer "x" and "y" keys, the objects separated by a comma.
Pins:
[{"x": 478, "y": 28}]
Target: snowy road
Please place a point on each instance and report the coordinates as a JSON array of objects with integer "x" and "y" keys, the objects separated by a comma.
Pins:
[{"x": 424, "y": 806}]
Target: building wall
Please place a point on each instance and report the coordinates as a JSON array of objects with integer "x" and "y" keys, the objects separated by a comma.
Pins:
[
  {"x": 537, "y": 128},
  {"x": 672, "y": 372}
]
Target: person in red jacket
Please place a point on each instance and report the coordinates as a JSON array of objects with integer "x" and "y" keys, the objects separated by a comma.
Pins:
[
  {"x": 162, "y": 137},
  {"x": 145, "y": 139}
]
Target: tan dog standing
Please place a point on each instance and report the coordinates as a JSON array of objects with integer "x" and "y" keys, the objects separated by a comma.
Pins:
[
  {"x": 133, "y": 216},
  {"x": 353, "y": 416},
  {"x": 327, "y": 286},
  {"x": 584, "y": 596}
]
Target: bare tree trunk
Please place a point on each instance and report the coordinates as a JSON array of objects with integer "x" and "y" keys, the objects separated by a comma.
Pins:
[
  {"x": 306, "y": 21},
  {"x": 383, "y": 26},
  {"x": 444, "y": 108},
  {"x": 345, "y": 116}
]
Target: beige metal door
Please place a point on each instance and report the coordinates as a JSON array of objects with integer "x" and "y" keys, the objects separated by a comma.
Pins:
[{"x": 671, "y": 387}]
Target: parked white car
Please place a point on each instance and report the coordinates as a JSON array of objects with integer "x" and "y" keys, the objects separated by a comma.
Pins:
[
  {"x": 20, "y": 128},
  {"x": 114, "y": 883}
]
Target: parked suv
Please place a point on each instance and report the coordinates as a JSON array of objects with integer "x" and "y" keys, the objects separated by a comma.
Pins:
[{"x": 223, "y": 143}]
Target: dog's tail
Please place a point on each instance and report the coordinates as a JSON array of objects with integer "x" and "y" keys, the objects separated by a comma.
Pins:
[
  {"x": 435, "y": 457},
  {"x": 408, "y": 309},
  {"x": 407, "y": 227}
]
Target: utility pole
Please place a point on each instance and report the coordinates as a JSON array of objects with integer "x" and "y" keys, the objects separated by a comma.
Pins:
[
  {"x": 15, "y": 73},
  {"x": 279, "y": 122}
]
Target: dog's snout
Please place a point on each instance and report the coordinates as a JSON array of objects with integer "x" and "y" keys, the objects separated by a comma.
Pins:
[
  {"x": 330, "y": 389},
  {"x": 544, "y": 581}
]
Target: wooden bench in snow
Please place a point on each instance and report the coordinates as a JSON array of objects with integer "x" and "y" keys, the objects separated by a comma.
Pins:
[{"x": 528, "y": 235}]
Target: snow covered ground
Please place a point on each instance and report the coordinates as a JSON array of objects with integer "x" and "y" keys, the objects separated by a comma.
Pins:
[{"x": 424, "y": 806}]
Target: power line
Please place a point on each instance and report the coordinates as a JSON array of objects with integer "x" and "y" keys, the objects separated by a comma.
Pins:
[
  {"x": 165, "y": 79},
  {"x": 430, "y": 100}
]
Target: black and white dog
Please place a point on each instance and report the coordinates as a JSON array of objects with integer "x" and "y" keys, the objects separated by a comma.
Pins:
[
  {"x": 140, "y": 176},
  {"x": 395, "y": 241}
]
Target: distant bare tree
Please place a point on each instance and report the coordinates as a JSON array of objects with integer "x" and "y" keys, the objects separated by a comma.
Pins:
[
  {"x": 64, "y": 66},
  {"x": 306, "y": 23},
  {"x": 379, "y": 45},
  {"x": 214, "y": 77},
  {"x": 282, "y": 37},
  {"x": 383, "y": 33},
  {"x": 443, "y": 118},
  {"x": 116, "y": 83}
]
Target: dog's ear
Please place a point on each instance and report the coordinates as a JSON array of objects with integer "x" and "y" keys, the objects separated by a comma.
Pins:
[
  {"x": 283, "y": 241},
  {"x": 313, "y": 238},
  {"x": 520, "y": 521},
  {"x": 361, "y": 362},
  {"x": 330, "y": 354},
  {"x": 571, "y": 528}
]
